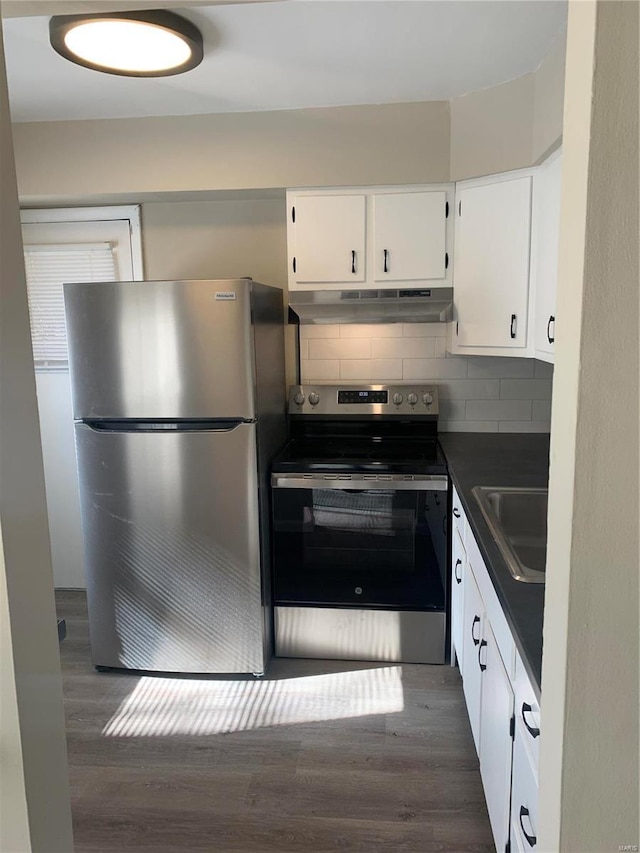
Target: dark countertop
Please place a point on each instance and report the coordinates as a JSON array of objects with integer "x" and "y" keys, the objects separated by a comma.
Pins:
[{"x": 503, "y": 459}]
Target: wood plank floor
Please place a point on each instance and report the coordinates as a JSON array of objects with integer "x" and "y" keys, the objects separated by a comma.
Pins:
[{"x": 319, "y": 756}]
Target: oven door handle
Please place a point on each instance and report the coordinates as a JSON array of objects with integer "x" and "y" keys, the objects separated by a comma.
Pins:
[{"x": 418, "y": 483}]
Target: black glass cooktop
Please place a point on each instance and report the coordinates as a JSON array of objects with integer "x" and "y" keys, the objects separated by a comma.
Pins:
[{"x": 388, "y": 455}]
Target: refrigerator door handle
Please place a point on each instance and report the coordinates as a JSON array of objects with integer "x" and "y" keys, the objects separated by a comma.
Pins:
[{"x": 164, "y": 426}]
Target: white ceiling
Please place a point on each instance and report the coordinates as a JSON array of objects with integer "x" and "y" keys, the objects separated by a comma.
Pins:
[{"x": 301, "y": 53}]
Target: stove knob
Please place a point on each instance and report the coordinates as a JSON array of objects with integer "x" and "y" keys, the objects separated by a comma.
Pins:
[
  {"x": 299, "y": 398},
  {"x": 397, "y": 399},
  {"x": 427, "y": 398},
  {"x": 313, "y": 398},
  {"x": 412, "y": 399}
]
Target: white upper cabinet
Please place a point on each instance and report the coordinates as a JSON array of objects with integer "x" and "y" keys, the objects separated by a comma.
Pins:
[
  {"x": 491, "y": 265},
  {"x": 546, "y": 211},
  {"x": 369, "y": 237},
  {"x": 409, "y": 236},
  {"x": 329, "y": 235}
]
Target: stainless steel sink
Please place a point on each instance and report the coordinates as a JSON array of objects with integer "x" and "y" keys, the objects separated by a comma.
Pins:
[{"x": 517, "y": 518}]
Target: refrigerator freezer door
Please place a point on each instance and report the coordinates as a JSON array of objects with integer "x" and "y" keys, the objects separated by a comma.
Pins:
[
  {"x": 161, "y": 349},
  {"x": 171, "y": 538}
]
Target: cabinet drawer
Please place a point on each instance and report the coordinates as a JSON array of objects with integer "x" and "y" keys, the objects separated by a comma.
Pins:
[
  {"x": 527, "y": 710},
  {"x": 459, "y": 518},
  {"x": 524, "y": 798}
]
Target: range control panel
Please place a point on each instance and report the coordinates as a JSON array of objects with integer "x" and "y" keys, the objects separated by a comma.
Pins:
[{"x": 408, "y": 400}]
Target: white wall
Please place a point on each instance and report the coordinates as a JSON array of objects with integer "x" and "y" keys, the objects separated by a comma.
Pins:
[
  {"x": 384, "y": 143},
  {"x": 588, "y": 780},
  {"x": 35, "y": 812}
]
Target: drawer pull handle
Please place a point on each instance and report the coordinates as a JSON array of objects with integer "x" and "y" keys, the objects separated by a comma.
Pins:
[
  {"x": 551, "y": 338},
  {"x": 534, "y": 731},
  {"x": 482, "y": 666},
  {"x": 475, "y": 639},
  {"x": 531, "y": 839},
  {"x": 455, "y": 571},
  {"x": 456, "y": 512}
]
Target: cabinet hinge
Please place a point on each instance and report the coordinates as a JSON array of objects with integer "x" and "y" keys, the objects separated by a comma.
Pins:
[
  {"x": 293, "y": 214},
  {"x": 294, "y": 264},
  {"x": 512, "y": 726},
  {"x": 446, "y": 210},
  {"x": 446, "y": 260}
]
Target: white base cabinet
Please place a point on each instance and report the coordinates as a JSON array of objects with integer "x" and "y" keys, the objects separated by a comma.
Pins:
[{"x": 501, "y": 702}]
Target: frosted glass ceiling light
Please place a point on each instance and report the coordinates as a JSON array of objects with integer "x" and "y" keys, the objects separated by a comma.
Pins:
[{"x": 132, "y": 44}]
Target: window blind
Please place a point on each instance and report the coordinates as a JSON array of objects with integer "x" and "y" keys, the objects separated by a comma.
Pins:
[{"x": 48, "y": 267}]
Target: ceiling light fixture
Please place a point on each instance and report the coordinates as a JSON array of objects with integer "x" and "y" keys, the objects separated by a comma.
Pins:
[{"x": 152, "y": 43}]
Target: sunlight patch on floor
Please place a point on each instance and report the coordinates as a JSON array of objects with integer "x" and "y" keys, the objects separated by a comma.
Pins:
[{"x": 178, "y": 706}]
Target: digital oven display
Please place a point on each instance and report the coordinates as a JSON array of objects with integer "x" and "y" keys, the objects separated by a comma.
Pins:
[{"x": 363, "y": 397}]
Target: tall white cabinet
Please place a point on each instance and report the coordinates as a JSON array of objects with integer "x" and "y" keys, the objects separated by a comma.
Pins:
[
  {"x": 545, "y": 253},
  {"x": 491, "y": 265}
]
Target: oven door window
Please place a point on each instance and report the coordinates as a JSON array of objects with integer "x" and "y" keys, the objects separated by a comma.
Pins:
[{"x": 366, "y": 548}]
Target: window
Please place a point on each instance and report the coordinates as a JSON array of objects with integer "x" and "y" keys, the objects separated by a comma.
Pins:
[
  {"x": 67, "y": 245},
  {"x": 48, "y": 267}
]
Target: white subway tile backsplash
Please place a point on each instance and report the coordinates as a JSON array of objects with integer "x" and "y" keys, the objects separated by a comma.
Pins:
[
  {"x": 440, "y": 347},
  {"x": 543, "y": 370},
  {"x": 524, "y": 426},
  {"x": 468, "y": 426},
  {"x": 499, "y": 410},
  {"x": 339, "y": 348},
  {"x": 403, "y": 347},
  {"x": 452, "y": 410},
  {"x": 525, "y": 389},
  {"x": 328, "y": 331},
  {"x": 477, "y": 393},
  {"x": 469, "y": 389},
  {"x": 424, "y": 330},
  {"x": 427, "y": 369},
  {"x": 541, "y": 410},
  {"x": 499, "y": 367},
  {"x": 316, "y": 370},
  {"x": 373, "y": 369},
  {"x": 381, "y": 330}
]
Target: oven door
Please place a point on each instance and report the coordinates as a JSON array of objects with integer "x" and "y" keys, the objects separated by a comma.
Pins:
[{"x": 365, "y": 542}]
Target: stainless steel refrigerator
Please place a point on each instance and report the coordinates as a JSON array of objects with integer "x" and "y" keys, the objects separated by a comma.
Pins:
[{"x": 179, "y": 404}]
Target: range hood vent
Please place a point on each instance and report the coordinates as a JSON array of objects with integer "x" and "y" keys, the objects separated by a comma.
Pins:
[{"x": 419, "y": 305}]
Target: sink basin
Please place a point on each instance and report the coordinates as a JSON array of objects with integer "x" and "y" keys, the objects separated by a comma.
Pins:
[{"x": 517, "y": 518}]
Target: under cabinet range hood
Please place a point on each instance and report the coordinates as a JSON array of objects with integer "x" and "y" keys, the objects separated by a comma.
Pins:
[{"x": 419, "y": 305}]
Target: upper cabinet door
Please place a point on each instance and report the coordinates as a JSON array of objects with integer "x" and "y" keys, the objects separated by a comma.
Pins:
[
  {"x": 547, "y": 233},
  {"x": 491, "y": 268},
  {"x": 328, "y": 238},
  {"x": 409, "y": 236}
]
